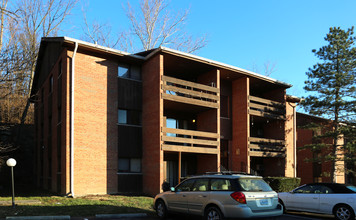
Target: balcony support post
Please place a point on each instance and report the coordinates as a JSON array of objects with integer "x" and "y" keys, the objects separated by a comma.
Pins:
[{"x": 179, "y": 166}]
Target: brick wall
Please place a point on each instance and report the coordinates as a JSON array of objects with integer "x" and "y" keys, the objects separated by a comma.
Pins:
[
  {"x": 304, "y": 169},
  {"x": 305, "y": 136},
  {"x": 152, "y": 121},
  {"x": 240, "y": 125},
  {"x": 95, "y": 125}
]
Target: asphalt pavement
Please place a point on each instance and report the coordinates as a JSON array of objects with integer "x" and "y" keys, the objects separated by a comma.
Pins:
[
  {"x": 138, "y": 216},
  {"x": 287, "y": 216}
]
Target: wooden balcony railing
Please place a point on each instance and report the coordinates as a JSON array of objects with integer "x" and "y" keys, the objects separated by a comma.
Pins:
[
  {"x": 189, "y": 141},
  {"x": 189, "y": 92},
  {"x": 266, "y": 108},
  {"x": 263, "y": 147}
]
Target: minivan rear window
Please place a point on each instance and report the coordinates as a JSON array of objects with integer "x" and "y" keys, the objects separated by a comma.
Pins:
[{"x": 254, "y": 185}]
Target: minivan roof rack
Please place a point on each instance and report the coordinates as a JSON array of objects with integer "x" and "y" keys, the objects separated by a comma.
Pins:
[{"x": 228, "y": 173}]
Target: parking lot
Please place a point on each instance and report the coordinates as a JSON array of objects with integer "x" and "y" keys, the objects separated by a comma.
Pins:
[{"x": 287, "y": 216}]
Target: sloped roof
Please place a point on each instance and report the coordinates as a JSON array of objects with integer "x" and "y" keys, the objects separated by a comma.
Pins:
[{"x": 142, "y": 56}]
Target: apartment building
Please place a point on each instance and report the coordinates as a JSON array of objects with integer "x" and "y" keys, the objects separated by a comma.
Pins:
[
  {"x": 315, "y": 172},
  {"x": 113, "y": 122}
]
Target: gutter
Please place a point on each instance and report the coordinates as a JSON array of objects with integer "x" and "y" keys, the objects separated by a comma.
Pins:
[
  {"x": 72, "y": 122},
  {"x": 96, "y": 46}
]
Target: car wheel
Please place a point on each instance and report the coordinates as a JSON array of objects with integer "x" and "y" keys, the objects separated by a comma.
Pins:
[
  {"x": 283, "y": 206},
  {"x": 213, "y": 213},
  {"x": 344, "y": 212},
  {"x": 161, "y": 209}
]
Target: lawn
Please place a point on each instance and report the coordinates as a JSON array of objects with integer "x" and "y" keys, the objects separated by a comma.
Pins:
[{"x": 83, "y": 206}]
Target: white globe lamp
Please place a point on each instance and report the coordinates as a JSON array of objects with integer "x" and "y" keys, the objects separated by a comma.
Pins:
[{"x": 11, "y": 163}]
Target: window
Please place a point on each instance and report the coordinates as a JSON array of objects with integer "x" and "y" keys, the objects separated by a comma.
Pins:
[
  {"x": 220, "y": 185},
  {"x": 129, "y": 117},
  {"x": 254, "y": 185},
  {"x": 51, "y": 84},
  {"x": 122, "y": 116},
  {"x": 186, "y": 186},
  {"x": 123, "y": 71},
  {"x": 130, "y": 72},
  {"x": 59, "y": 117},
  {"x": 135, "y": 73},
  {"x": 353, "y": 188},
  {"x": 171, "y": 123},
  {"x": 42, "y": 96},
  {"x": 201, "y": 185},
  {"x": 129, "y": 165},
  {"x": 224, "y": 110},
  {"x": 60, "y": 68},
  {"x": 135, "y": 165},
  {"x": 305, "y": 189}
]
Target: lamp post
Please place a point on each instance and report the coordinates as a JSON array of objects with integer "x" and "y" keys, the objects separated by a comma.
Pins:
[{"x": 11, "y": 163}]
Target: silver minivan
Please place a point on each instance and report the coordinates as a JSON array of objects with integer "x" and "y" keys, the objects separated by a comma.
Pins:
[{"x": 221, "y": 195}]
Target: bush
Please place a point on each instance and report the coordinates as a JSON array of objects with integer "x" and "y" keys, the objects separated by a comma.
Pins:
[{"x": 282, "y": 184}]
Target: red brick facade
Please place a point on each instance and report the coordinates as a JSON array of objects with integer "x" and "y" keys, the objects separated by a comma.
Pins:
[
  {"x": 310, "y": 172},
  {"x": 206, "y": 102},
  {"x": 152, "y": 122},
  {"x": 240, "y": 124}
]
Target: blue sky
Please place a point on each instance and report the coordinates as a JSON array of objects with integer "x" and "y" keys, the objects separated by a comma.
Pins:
[{"x": 247, "y": 33}]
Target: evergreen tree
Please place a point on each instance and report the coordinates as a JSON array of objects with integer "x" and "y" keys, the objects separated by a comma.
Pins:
[{"x": 333, "y": 96}]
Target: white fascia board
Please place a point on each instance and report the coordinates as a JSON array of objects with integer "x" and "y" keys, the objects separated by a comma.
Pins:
[
  {"x": 95, "y": 46},
  {"x": 218, "y": 64}
]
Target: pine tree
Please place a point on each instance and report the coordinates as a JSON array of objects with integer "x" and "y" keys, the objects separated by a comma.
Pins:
[{"x": 333, "y": 96}]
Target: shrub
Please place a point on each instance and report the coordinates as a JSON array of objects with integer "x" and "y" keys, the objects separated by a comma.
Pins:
[{"x": 282, "y": 184}]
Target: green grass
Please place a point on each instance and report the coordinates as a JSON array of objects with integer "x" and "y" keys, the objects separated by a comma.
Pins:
[{"x": 75, "y": 207}]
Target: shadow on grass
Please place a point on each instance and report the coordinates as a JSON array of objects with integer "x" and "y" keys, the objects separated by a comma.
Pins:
[
  {"x": 73, "y": 210},
  {"x": 31, "y": 201},
  {"x": 24, "y": 191}
]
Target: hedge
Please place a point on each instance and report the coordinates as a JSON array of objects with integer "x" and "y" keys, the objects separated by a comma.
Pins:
[{"x": 282, "y": 184}]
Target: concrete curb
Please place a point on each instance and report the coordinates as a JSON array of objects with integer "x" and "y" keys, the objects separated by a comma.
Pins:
[
  {"x": 22, "y": 202},
  {"x": 129, "y": 215},
  {"x": 59, "y": 217}
]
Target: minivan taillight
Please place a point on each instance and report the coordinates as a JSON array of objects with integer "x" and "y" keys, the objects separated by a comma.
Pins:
[{"x": 239, "y": 197}]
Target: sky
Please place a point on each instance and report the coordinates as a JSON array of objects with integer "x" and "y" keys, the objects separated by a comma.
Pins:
[{"x": 245, "y": 33}]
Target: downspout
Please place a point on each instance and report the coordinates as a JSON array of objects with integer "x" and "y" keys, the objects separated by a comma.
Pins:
[
  {"x": 72, "y": 122},
  {"x": 295, "y": 139}
]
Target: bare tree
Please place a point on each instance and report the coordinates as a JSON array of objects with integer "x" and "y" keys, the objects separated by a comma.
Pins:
[
  {"x": 99, "y": 33},
  {"x": 268, "y": 68},
  {"x": 41, "y": 18},
  {"x": 22, "y": 24},
  {"x": 155, "y": 26}
]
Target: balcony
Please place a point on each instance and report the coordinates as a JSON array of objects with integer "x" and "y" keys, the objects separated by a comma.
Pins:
[
  {"x": 266, "y": 108},
  {"x": 178, "y": 90},
  {"x": 263, "y": 147},
  {"x": 181, "y": 140}
]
